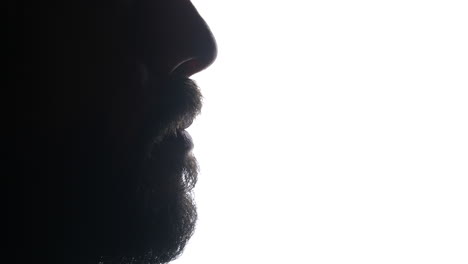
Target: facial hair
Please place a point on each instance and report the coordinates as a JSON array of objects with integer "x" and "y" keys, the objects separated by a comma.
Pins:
[{"x": 153, "y": 215}]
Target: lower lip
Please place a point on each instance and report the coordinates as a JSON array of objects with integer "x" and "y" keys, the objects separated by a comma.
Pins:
[{"x": 185, "y": 136}]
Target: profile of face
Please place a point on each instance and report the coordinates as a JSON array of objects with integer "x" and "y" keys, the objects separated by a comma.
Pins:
[{"x": 103, "y": 101}]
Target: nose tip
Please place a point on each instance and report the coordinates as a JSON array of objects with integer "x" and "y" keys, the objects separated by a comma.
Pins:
[
  {"x": 200, "y": 52},
  {"x": 174, "y": 38}
]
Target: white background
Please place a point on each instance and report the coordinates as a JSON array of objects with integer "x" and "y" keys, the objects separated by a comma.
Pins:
[{"x": 333, "y": 132}]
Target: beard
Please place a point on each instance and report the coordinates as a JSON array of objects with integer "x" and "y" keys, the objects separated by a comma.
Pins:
[
  {"x": 140, "y": 207},
  {"x": 156, "y": 226}
]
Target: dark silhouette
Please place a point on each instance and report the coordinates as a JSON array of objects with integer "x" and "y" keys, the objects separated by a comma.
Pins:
[{"x": 103, "y": 170}]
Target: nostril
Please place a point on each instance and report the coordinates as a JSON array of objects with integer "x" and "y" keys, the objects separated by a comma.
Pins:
[
  {"x": 204, "y": 58},
  {"x": 189, "y": 67}
]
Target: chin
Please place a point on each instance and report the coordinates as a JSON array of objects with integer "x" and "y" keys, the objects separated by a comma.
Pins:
[{"x": 145, "y": 214}]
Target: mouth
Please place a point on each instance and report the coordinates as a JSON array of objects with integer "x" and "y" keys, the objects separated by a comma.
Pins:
[
  {"x": 171, "y": 110},
  {"x": 185, "y": 140},
  {"x": 173, "y": 147},
  {"x": 179, "y": 133}
]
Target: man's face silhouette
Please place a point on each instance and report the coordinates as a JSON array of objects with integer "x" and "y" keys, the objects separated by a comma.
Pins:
[{"x": 109, "y": 100}]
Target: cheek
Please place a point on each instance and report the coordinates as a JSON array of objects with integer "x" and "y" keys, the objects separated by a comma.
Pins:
[{"x": 128, "y": 103}]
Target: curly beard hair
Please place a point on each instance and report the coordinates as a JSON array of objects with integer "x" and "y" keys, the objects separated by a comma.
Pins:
[
  {"x": 166, "y": 219},
  {"x": 162, "y": 209}
]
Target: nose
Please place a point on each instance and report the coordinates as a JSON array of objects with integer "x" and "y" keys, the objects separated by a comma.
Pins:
[{"x": 176, "y": 39}]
